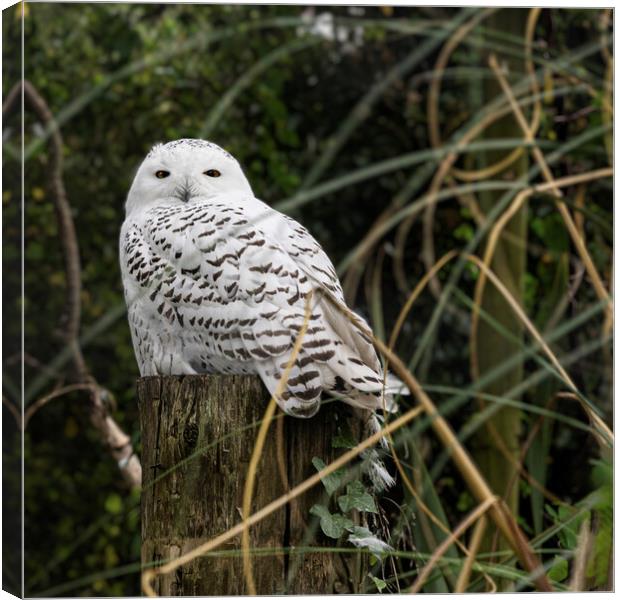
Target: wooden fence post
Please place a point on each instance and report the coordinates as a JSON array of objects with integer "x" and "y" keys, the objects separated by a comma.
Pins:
[{"x": 197, "y": 439}]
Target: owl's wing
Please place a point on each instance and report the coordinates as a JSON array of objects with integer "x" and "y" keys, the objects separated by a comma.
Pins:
[
  {"x": 361, "y": 366},
  {"x": 308, "y": 254},
  {"x": 300, "y": 245}
]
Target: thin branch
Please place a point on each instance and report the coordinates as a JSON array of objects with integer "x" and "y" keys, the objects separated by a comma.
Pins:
[
  {"x": 13, "y": 410},
  {"x": 41, "y": 402},
  {"x": 116, "y": 441}
]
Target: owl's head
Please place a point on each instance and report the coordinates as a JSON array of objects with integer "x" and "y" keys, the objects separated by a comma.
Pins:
[{"x": 184, "y": 171}]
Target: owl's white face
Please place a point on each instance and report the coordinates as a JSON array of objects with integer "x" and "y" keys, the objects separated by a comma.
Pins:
[{"x": 185, "y": 171}]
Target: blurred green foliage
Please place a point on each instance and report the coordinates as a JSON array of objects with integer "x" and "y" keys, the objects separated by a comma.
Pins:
[{"x": 121, "y": 77}]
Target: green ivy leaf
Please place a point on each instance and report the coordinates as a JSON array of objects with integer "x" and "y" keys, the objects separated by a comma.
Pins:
[
  {"x": 357, "y": 497},
  {"x": 379, "y": 583},
  {"x": 559, "y": 569},
  {"x": 332, "y": 481},
  {"x": 332, "y": 525}
]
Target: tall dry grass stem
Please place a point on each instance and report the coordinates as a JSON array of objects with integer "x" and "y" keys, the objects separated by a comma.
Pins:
[
  {"x": 447, "y": 167},
  {"x": 602, "y": 432},
  {"x": 474, "y": 546},
  {"x": 580, "y": 558},
  {"x": 435, "y": 87},
  {"x": 466, "y": 466},
  {"x": 473, "y": 516},
  {"x": 580, "y": 245},
  {"x": 392, "y": 341}
]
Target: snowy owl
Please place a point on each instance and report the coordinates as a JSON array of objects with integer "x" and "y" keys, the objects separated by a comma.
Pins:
[{"x": 216, "y": 281}]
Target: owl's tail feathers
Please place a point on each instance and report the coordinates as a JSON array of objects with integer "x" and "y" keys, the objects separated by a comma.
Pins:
[
  {"x": 373, "y": 463},
  {"x": 301, "y": 395},
  {"x": 355, "y": 363},
  {"x": 395, "y": 386},
  {"x": 374, "y": 421}
]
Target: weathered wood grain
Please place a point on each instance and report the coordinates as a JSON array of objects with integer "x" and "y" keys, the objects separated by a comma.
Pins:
[{"x": 198, "y": 433}]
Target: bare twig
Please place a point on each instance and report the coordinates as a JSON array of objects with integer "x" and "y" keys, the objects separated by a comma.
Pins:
[
  {"x": 116, "y": 441},
  {"x": 67, "y": 235},
  {"x": 41, "y": 402},
  {"x": 13, "y": 410}
]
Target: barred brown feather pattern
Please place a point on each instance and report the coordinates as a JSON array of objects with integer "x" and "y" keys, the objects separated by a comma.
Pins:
[{"x": 216, "y": 282}]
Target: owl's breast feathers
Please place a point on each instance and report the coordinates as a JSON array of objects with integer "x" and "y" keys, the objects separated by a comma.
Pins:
[{"x": 216, "y": 286}]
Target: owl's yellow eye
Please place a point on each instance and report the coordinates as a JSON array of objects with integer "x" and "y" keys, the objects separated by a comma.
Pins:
[
  {"x": 212, "y": 173},
  {"x": 162, "y": 174}
]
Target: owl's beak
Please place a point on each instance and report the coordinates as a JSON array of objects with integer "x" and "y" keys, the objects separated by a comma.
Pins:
[{"x": 184, "y": 193}]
